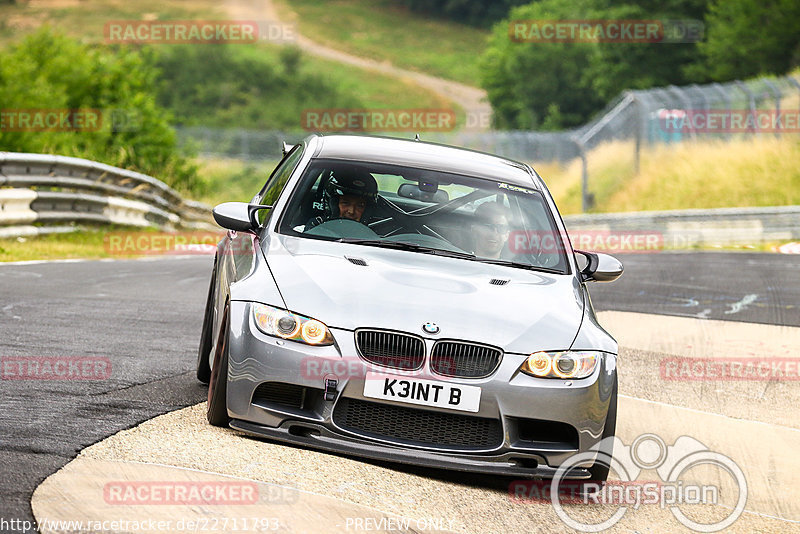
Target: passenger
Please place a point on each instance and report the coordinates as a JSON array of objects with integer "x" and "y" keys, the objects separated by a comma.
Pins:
[{"x": 490, "y": 230}]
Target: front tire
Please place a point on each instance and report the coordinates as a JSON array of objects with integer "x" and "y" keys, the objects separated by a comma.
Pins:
[
  {"x": 203, "y": 352},
  {"x": 217, "y": 410},
  {"x": 600, "y": 470}
]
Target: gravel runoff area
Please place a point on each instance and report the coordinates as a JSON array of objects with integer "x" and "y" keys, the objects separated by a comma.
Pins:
[{"x": 470, "y": 503}]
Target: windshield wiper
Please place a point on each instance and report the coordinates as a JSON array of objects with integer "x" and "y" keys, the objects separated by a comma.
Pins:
[
  {"x": 404, "y": 245},
  {"x": 380, "y": 243},
  {"x": 519, "y": 265}
]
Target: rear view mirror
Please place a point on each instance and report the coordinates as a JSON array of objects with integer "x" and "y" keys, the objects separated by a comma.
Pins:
[
  {"x": 413, "y": 191},
  {"x": 598, "y": 267}
]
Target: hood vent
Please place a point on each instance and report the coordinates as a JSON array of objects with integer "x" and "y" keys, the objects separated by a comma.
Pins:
[
  {"x": 499, "y": 281},
  {"x": 356, "y": 261}
]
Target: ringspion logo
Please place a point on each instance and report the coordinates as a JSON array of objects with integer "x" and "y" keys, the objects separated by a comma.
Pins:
[{"x": 689, "y": 475}]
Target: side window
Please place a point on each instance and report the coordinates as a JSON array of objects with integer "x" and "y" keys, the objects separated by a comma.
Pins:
[{"x": 272, "y": 190}]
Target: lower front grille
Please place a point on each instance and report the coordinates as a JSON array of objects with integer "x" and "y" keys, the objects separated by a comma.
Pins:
[
  {"x": 417, "y": 427},
  {"x": 552, "y": 433},
  {"x": 289, "y": 395}
]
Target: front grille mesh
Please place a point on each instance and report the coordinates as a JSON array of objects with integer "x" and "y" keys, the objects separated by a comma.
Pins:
[
  {"x": 465, "y": 360},
  {"x": 419, "y": 427},
  {"x": 391, "y": 349}
]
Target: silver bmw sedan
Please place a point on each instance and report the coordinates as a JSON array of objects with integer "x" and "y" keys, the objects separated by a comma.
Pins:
[{"x": 412, "y": 302}]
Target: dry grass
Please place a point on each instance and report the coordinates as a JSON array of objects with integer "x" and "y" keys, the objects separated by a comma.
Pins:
[
  {"x": 763, "y": 171},
  {"x": 85, "y": 244}
]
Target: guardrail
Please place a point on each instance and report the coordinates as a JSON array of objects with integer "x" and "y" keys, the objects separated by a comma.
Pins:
[
  {"x": 41, "y": 193},
  {"x": 688, "y": 229}
]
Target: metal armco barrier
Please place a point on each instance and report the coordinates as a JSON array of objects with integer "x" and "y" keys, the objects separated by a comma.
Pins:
[
  {"x": 688, "y": 229},
  {"x": 74, "y": 190},
  {"x": 41, "y": 193}
]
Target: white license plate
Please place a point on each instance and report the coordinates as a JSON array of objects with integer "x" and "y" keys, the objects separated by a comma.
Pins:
[{"x": 422, "y": 392}]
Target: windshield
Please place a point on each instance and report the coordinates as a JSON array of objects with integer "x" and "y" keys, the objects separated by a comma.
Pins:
[{"x": 424, "y": 211}]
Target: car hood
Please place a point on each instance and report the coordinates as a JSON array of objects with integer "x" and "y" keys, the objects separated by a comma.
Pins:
[{"x": 355, "y": 286}]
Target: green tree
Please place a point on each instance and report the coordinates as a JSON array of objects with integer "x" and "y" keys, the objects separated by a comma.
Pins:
[
  {"x": 532, "y": 84},
  {"x": 552, "y": 85},
  {"x": 751, "y": 37},
  {"x": 48, "y": 71},
  {"x": 481, "y": 14},
  {"x": 233, "y": 86}
]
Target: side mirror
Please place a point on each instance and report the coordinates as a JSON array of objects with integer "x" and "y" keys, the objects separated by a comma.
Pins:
[
  {"x": 599, "y": 267},
  {"x": 238, "y": 216}
]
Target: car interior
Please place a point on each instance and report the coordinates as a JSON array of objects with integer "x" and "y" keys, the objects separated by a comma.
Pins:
[{"x": 425, "y": 208}]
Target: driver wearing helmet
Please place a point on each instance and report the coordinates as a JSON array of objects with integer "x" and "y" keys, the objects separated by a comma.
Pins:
[{"x": 347, "y": 195}]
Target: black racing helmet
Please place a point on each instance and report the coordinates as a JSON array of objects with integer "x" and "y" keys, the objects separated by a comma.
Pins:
[{"x": 352, "y": 182}]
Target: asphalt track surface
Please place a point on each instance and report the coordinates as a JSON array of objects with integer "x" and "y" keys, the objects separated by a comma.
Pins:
[{"x": 145, "y": 318}]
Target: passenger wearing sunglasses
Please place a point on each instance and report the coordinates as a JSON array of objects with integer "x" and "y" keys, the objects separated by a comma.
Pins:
[{"x": 490, "y": 230}]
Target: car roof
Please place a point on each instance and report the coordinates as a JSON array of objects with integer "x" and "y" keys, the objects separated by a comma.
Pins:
[{"x": 424, "y": 155}]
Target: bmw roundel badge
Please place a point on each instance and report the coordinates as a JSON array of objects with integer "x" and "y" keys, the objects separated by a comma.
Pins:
[{"x": 431, "y": 328}]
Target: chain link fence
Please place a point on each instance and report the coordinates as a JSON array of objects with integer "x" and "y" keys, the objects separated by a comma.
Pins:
[{"x": 764, "y": 106}]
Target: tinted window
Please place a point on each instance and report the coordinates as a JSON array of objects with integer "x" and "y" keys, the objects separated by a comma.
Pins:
[
  {"x": 277, "y": 181},
  {"x": 425, "y": 212}
]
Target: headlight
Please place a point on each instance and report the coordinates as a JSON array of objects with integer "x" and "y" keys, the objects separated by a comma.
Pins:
[
  {"x": 562, "y": 364},
  {"x": 287, "y": 325}
]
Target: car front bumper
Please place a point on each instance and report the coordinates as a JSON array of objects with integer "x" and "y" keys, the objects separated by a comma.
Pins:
[{"x": 276, "y": 390}]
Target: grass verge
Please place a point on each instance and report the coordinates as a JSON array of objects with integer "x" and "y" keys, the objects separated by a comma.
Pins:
[
  {"x": 86, "y": 243},
  {"x": 752, "y": 172},
  {"x": 381, "y": 30},
  {"x": 231, "y": 180}
]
